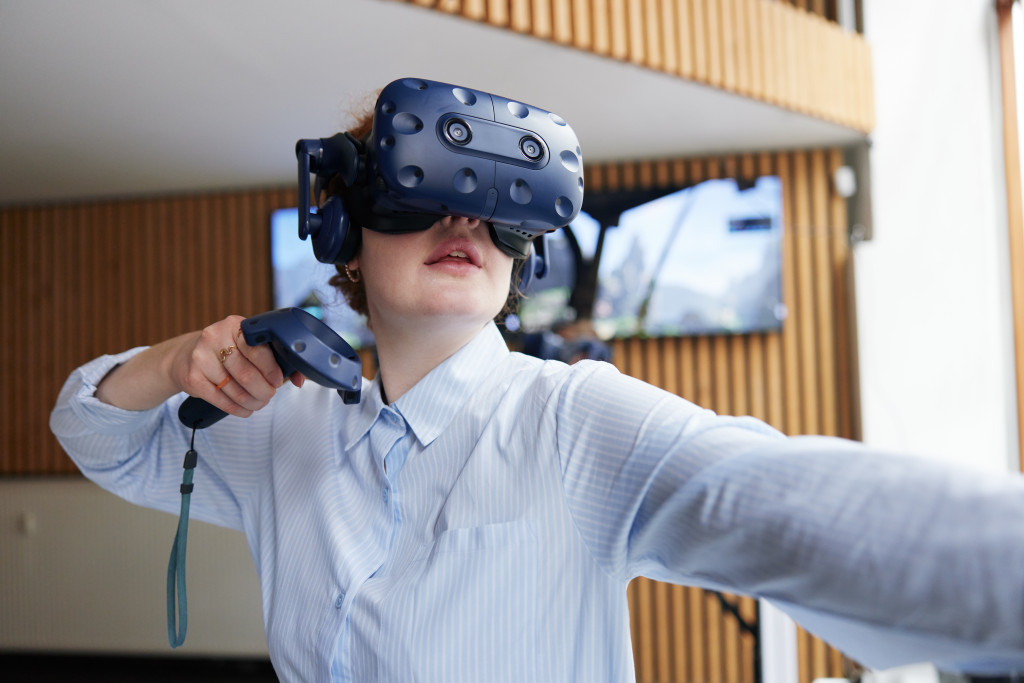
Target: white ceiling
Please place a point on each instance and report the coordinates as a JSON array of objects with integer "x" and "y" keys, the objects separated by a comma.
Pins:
[{"x": 121, "y": 97}]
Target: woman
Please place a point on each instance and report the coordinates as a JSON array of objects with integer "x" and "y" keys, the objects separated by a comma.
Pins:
[{"x": 479, "y": 514}]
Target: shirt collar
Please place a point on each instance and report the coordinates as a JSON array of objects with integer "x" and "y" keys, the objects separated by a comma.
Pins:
[{"x": 434, "y": 401}]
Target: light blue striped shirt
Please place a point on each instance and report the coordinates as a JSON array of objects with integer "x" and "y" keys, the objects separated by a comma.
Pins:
[{"x": 484, "y": 526}]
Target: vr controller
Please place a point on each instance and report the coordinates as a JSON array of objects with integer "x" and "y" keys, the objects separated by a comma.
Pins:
[
  {"x": 300, "y": 342},
  {"x": 435, "y": 150}
]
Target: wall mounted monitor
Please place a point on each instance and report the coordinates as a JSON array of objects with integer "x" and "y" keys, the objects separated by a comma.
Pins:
[{"x": 706, "y": 259}]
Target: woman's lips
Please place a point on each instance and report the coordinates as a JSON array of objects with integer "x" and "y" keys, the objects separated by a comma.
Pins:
[{"x": 456, "y": 251}]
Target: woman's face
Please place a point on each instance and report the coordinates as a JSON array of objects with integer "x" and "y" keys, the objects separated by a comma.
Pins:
[{"x": 450, "y": 273}]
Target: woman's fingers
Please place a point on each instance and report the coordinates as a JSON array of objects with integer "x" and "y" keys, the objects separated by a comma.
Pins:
[
  {"x": 262, "y": 361},
  {"x": 228, "y": 373},
  {"x": 254, "y": 374}
]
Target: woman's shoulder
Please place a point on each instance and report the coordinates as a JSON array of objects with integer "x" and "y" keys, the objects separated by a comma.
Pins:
[{"x": 553, "y": 378}]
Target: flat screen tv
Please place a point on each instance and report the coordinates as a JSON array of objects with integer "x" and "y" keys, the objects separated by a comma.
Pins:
[{"x": 706, "y": 259}]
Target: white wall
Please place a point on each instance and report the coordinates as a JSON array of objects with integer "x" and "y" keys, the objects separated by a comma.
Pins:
[
  {"x": 933, "y": 285},
  {"x": 84, "y": 571}
]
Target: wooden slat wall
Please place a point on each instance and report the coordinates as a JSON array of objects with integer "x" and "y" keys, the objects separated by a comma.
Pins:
[
  {"x": 799, "y": 380},
  {"x": 789, "y": 53},
  {"x": 84, "y": 279}
]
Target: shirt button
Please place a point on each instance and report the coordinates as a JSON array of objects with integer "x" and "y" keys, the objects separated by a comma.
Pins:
[
  {"x": 340, "y": 601},
  {"x": 384, "y": 495}
]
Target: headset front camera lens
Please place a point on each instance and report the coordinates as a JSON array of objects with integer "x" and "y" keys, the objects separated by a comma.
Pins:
[
  {"x": 531, "y": 148},
  {"x": 457, "y": 131}
]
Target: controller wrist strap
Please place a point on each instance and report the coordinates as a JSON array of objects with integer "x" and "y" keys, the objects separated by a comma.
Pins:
[{"x": 177, "y": 622}]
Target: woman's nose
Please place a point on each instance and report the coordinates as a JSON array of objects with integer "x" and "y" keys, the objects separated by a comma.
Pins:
[{"x": 461, "y": 221}]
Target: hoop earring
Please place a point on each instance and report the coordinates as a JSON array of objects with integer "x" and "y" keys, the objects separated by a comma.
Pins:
[{"x": 353, "y": 275}]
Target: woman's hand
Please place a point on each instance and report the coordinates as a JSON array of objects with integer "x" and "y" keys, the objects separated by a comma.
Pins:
[
  {"x": 214, "y": 364},
  {"x": 228, "y": 373}
]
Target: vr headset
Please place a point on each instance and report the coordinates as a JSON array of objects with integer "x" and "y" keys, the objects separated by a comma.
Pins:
[{"x": 437, "y": 150}]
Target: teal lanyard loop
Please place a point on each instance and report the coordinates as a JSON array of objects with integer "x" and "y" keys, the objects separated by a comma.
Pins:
[{"x": 177, "y": 628}]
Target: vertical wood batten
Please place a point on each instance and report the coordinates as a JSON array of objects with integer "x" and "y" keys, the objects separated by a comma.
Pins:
[
  {"x": 822, "y": 236},
  {"x": 12, "y": 299},
  {"x": 791, "y": 38},
  {"x": 619, "y": 29},
  {"x": 777, "y": 42},
  {"x": 683, "y": 651},
  {"x": 561, "y": 21},
  {"x": 600, "y": 27},
  {"x": 713, "y": 45},
  {"x": 8, "y": 226},
  {"x": 751, "y": 9},
  {"x": 745, "y": 31},
  {"x": 666, "y": 641},
  {"x": 805, "y": 304},
  {"x": 668, "y": 23},
  {"x": 684, "y": 38},
  {"x": 714, "y": 639},
  {"x": 729, "y": 48},
  {"x": 772, "y": 344},
  {"x": 519, "y": 16},
  {"x": 846, "y": 357},
  {"x": 541, "y": 13},
  {"x": 788, "y": 351},
  {"x": 699, "y": 36},
  {"x": 20, "y": 281},
  {"x": 806, "y": 64},
  {"x": 28, "y": 299},
  {"x": 474, "y": 9},
  {"x": 497, "y": 13},
  {"x": 638, "y": 49},
  {"x": 732, "y": 643}
]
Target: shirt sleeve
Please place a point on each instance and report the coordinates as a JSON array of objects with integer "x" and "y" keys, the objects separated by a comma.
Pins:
[
  {"x": 892, "y": 559},
  {"x": 139, "y": 455}
]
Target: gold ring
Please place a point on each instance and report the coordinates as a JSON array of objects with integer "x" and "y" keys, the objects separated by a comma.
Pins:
[
  {"x": 225, "y": 352},
  {"x": 223, "y": 383}
]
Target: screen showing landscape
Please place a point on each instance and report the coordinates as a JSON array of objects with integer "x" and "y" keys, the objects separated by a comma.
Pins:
[{"x": 703, "y": 260}]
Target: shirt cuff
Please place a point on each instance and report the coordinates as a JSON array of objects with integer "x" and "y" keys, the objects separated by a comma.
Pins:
[{"x": 103, "y": 417}]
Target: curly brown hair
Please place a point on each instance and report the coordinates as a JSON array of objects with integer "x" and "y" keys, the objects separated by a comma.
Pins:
[{"x": 355, "y": 292}]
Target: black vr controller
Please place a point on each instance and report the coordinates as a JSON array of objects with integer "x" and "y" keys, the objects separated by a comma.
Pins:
[
  {"x": 437, "y": 150},
  {"x": 301, "y": 343}
]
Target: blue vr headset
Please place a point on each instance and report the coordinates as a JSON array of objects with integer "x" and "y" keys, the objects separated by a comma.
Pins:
[{"x": 437, "y": 150}]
